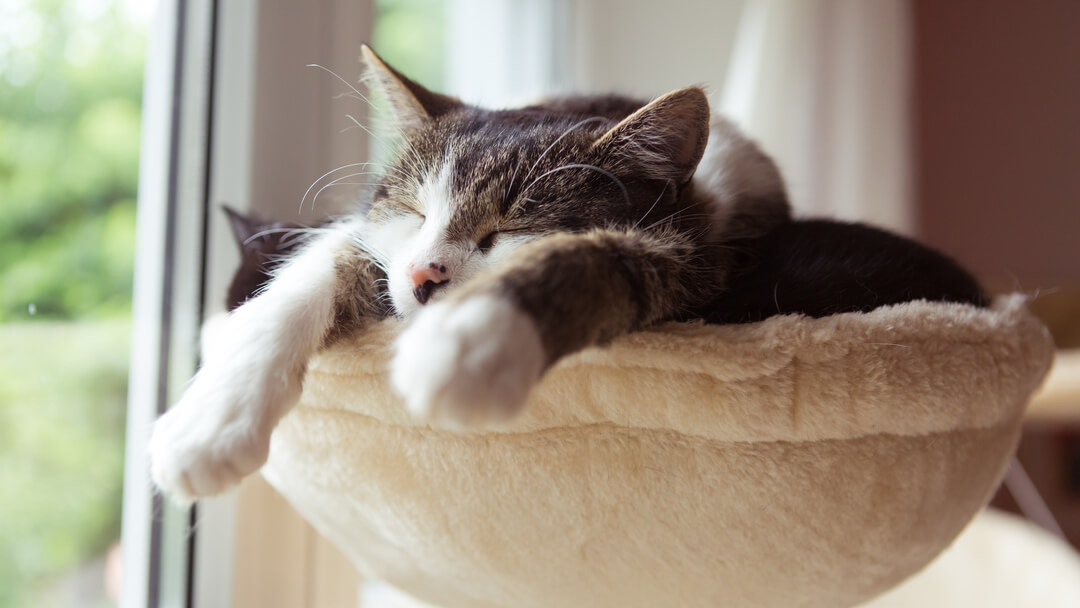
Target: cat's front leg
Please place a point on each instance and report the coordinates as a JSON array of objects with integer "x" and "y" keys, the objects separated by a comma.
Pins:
[
  {"x": 476, "y": 356},
  {"x": 469, "y": 361},
  {"x": 219, "y": 431}
]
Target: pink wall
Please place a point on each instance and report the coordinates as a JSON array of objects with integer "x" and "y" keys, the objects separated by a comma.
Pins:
[{"x": 997, "y": 98}]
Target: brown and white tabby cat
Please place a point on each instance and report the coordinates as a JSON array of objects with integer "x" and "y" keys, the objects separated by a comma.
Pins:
[{"x": 509, "y": 239}]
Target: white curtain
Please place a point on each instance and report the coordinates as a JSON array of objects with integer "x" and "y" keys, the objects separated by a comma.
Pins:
[
  {"x": 824, "y": 86},
  {"x": 503, "y": 53}
]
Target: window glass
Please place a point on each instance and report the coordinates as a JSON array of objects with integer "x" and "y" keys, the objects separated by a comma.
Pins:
[
  {"x": 410, "y": 35},
  {"x": 70, "y": 95}
]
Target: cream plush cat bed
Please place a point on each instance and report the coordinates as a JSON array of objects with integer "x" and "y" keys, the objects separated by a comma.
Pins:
[{"x": 793, "y": 462}]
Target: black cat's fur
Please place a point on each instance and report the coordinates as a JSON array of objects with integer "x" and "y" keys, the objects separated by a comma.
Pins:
[
  {"x": 821, "y": 267},
  {"x": 262, "y": 245}
]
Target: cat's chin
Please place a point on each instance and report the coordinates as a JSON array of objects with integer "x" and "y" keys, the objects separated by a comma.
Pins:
[
  {"x": 468, "y": 363},
  {"x": 407, "y": 307}
]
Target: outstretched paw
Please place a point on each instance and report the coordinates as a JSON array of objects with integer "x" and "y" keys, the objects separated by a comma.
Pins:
[
  {"x": 468, "y": 362},
  {"x": 215, "y": 436}
]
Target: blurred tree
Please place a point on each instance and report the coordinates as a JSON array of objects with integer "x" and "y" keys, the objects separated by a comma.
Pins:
[
  {"x": 410, "y": 35},
  {"x": 70, "y": 95}
]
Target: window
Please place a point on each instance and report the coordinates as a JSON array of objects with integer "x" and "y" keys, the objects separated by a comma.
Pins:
[
  {"x": 234, "y": 117},
  {"x": 71, "y": 83}
]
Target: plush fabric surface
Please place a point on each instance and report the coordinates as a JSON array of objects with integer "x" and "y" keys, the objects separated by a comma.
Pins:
[
  {"x": 793, "y": 462},
  {"x": 999, "y": 561}
]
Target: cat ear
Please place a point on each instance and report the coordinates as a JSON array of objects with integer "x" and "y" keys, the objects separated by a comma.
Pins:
[
  {"x": 243, "y": 227},
  {"x": 665, "y": 139},
  {"x": 413, "y": 105}
]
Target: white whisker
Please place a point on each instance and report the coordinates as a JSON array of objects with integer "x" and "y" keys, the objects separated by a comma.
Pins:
[
  {"x": 338, "y": 181},
  {"x": 355, "y": 90},
  {"x": 324, "y": 175},
  {"x": 662, "y": 193},
  {"x": 558, "y": 139},
  {"x": 356, "y": 94},
  {"x": 288, "y": 232},
  {"x": 513, "y": 177},
  {"x": 371, "y": 133},
  {"x": 604, "y": 172}
]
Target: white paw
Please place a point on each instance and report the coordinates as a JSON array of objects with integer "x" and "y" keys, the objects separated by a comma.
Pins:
[
  {"x": 218, "y": 433},
  {"x": 468, "y": 363}
]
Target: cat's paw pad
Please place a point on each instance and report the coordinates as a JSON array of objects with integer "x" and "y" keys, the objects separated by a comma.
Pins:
[
  {"x": 207, "y": 442},
  {"x": 468, "y": 362}
]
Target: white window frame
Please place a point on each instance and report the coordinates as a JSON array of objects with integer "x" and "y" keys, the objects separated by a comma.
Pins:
[
  {"x": 165, "y": 307},
  {"x": 225, "y": 120}
]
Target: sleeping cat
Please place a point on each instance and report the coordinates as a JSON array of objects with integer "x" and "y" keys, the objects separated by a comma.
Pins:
[
  {"x": 508, "y": 239},
  {"x": 811, "y": 267},
  {"x": 262, "y": 246}
]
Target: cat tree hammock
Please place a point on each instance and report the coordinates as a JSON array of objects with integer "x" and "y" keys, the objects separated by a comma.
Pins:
[{"x": 794, "y": 462}]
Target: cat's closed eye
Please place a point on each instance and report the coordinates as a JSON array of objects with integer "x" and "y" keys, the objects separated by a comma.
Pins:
[{"x": 487, "y": 242}]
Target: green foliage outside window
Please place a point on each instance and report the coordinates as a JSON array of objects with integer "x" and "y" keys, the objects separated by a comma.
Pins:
[
  {"x": 70, "y": 104},
  {"x": 409, "y": 34},
  {"x": 71, "y": 85}
]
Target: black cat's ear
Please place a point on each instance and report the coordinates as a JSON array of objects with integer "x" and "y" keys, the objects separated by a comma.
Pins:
[
  {"x": 413, "y": 105},
  {"x": 243, "y": 227},
  {"x": 665, "y": 139}
]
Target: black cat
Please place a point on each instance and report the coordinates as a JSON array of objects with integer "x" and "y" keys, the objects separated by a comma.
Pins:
[
  {"x": 821, "y": 267},
  {"x": 262, "y": 245}
]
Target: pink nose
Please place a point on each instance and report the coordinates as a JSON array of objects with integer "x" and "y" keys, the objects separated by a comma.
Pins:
[
  {"x": 436, "y": 273},
  {"x": 426, "y": 279}
]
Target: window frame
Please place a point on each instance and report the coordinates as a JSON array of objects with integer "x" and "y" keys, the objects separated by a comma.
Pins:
[
  {"x": 165, "y": 308},
  {"x": 215, "y": 88}
]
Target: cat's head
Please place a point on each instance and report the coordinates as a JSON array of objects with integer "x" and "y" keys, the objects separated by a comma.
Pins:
[
  {"x": 468, "y": 186},
  {"x": 262, "y": 246}
]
